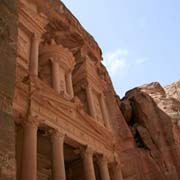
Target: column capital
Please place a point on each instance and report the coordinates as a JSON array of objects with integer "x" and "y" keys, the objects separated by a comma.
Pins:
[
  {"x": 31, "y": 123},
  {"x": 102, "y": 159},
  {"x": 36, "y": 36},
  {"x": 117, "y": 164},
  {"x": 54, "y": 60},
  {"x": 86, "y": 151},
  {"x": 85, "y": 85},
  {"x": 56, "y": 134},
  {"x": 89, "y": 86}
]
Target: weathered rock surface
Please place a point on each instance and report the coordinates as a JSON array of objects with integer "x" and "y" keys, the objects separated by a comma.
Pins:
[
  {"x": 173, "y": 90},
  {"x": 156, "y": 155},
  {"x": 167, "y": 99},
  {"x": 8, "y": 35}
]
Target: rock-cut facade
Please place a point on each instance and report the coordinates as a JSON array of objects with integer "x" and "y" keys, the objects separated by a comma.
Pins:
[{"x": 60, "y": 118}]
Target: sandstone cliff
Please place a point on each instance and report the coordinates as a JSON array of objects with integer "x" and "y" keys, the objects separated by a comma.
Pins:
[
  {"x": 173, "y": 90},
  {"x": 167, "y": 98},
  {"x": 148, "y": 112}
]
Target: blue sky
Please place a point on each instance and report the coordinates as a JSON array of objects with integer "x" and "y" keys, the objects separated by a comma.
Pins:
[{"x": 140, "y": 39}]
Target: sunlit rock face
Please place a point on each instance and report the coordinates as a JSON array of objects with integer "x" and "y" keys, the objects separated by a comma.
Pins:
[
  {"x": 173, "y": 93},
  {"x": 173, "y": 90},
  {"x": 167, "y": 98},
  {"x": 155, "y": 133}
]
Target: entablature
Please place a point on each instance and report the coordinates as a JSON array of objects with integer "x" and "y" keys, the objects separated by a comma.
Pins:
[
  {"x": 53, "y": 111},
  {"x": 67, "y": 116}
]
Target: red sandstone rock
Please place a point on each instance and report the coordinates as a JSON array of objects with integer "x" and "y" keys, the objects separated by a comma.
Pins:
[
  {"x": 153, "y": 130},
  {"x": 167, "y": 99},
  {"x": 68, "y": 119}
]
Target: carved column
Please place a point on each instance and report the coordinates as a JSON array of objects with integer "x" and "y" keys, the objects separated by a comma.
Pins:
[
  {"x": 104, "y": 111},
  {"x": 90, "y": 99},
  {"x": 29, "y": 152},
  {"x": 103, "y": 166},
  {"x": 34, "y": 55},
  {"x": 117, "y": 172},
  {"x": 69, "y": 84},
  {"x": 62, "y": 80},
  {"x": 55, "y": 76},
  {"x": 87, "y": 156},
  {"x": 58, "y": 170}
]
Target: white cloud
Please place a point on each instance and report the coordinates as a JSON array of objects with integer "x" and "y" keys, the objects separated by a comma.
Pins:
[
  {"x": 116, "y": 61},
  {"x": 142, "y": 60}
]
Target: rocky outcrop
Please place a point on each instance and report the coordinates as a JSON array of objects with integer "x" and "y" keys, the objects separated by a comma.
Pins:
[
  {"x": 156, "y": 152},
  {"x": 173, "y": 93},
  {"x": 173, "y": 90},
  {"x": 167, "y": 99}
]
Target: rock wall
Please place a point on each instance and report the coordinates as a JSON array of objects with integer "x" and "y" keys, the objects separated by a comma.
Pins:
[
  {"x": 167, "y": 98},
  {"x": 147, "y": 138},
  {"x": 8, "y": 35},
  {"x": 156, "y": 154}
]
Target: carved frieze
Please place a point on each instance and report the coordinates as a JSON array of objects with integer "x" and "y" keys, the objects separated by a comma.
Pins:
[{"x": 69, "y": 124}]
